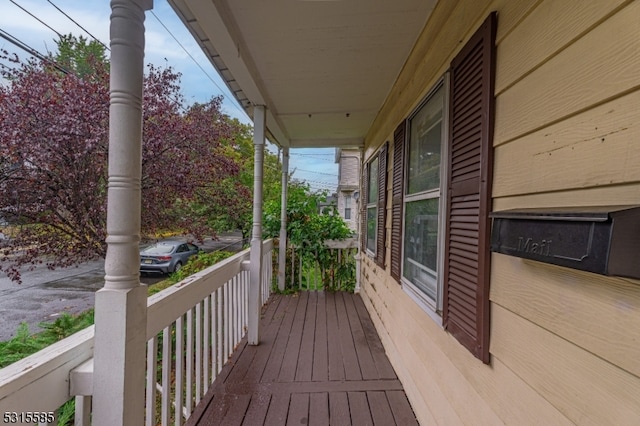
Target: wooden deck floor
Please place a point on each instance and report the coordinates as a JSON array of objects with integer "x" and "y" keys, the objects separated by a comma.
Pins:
[{"x": 320, "y": 362}]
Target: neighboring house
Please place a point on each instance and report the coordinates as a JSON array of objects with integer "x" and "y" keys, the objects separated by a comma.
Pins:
[
  {"x": 348, "y": 185},
  {"x": 331, "y": 200}
]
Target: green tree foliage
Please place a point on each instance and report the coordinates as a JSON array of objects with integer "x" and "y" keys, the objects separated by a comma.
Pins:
[
  {"x": 308, "y": 227},
  {"x": 305, "y": 220},
  {"x": 79, "y": 55},
  {"x": 237, "y": 190}
]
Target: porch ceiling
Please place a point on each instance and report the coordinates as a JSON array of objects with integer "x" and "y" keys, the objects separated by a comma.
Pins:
[{"x": 323, "y": 68}]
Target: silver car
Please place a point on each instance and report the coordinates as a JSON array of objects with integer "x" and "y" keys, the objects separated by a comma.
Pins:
[{"x": 166, "y": 256}]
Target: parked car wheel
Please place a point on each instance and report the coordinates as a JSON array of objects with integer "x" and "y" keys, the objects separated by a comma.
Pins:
[{"x": 177, "y": 267}]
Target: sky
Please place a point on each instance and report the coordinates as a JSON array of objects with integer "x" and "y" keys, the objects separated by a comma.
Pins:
[{"x": 168, "y": 43}]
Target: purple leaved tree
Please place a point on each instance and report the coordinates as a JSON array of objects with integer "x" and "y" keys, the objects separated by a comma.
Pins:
[{"x": 54, "y": 150}]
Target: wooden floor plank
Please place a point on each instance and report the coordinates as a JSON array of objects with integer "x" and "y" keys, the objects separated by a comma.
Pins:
[
  {"x": 298, "y": 410},
  {"x": 380, "y": 409},
  {"x": 237, "y": 408},
  {"x": 365, "y": 359},
  {"x": 278, "y": 409},
  {"x": 383, "y": 365},
  {"x": 347, "y": 346},
  {"x": 258, "y": 407},
  {"x": 336, "y": 367},
  {"x": 359, "y": 409},
  {"x": 304, "y": 369},
  {"x": 242, "y": 365},
  {"x": 339, "y": 409},
  {"x": 272, "y": 368},
  {"x": 271, "y": 392},
  {"x": 318, "y": 409},
  {"x": 320, "y": 357},
  {"x": 272, "y": 324},
  {"x": 217, "y": 410},
  {"x": 401, "y": 409},
  {"x": 292, "y": 351}
]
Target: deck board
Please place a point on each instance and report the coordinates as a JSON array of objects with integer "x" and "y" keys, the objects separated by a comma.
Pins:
[
  {"x": 292, "y": 351},
  {"x": 304, "y": 368},
  {"x": 319, "y": 362},
  {"x": 320, "y": 349}
]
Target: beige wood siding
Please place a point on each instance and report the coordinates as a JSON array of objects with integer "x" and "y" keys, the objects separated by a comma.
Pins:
[{"x": 565, "y": 344}]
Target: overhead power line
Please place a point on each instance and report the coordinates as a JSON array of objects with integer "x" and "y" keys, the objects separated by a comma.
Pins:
[
  {"x": 319, "y": 182},
  {"x": 317, "y": 156},
  {"x": 199, "y": 66},
  {"x": 77, "y": 24},
  {"x": 310, "y": 154},
  {"x": 30, "y": 50},
  {"x": 36, "y": 18},
  {"x": 318, "y": 173}
]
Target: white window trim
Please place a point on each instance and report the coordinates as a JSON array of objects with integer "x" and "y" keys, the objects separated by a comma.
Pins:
[
  {"x": 374, "y": 204},
  {"x": 347, "y": 206},
  {"x": 431, "y": 307}
]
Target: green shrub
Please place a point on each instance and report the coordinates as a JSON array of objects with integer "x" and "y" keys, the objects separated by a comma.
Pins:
[
  {"x": 198, "y": 263},
  {"x": 24, "y": 343},
  {"x": 315, "y": 267}
]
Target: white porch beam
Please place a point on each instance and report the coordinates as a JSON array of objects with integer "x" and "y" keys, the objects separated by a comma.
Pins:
[
  {"x": 282, "y": 244},
  {"x": 121, "y": 305},
  {"x": 255, "y": 297},
  {"x": 324, "y": 143}
]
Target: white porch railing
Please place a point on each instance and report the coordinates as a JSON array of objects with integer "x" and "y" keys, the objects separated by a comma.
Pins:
[
  {"x": 192, "y": 329},
  {"x": 331, "y": 266}
]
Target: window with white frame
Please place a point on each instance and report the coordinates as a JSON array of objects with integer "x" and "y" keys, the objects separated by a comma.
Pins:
[
  {"x": 423, "y": 197},
  {"x": 347, "y": 207},
  {"x": 372, "y": 205}
]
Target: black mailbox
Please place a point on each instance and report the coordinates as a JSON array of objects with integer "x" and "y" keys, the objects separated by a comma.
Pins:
[{"x": 604, "y": 240}]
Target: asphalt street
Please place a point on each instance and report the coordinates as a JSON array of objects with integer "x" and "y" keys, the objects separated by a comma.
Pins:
[{"x": 44, "y": 295}]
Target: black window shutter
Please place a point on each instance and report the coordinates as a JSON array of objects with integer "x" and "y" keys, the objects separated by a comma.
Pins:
[
  {"x": 363, "y": 209},
  {"x": 471, "y": 111},
  {"x": 396, "y": 203},
  {"x": 382, "y": 205}
]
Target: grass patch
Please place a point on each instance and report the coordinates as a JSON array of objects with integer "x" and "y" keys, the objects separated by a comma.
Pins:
[{"x": 24, "y": 343}]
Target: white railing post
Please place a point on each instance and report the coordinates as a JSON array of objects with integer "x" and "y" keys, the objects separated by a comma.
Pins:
[
  {"x": 121, "y": 304},
  {"x": 259, "y": 117},
  {"x": 282, "y": 245}
]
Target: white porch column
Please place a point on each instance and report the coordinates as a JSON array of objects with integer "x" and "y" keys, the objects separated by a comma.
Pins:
[
  {"x": 253, "y": 336},
  {"x": 121, "y": 305},
  {"x": 282, "y": 245}
]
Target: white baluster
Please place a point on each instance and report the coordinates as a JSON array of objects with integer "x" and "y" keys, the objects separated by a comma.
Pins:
[
  {"x": 220, "y": 328},
  {"x": 206, "y": 347},
  {"x": 152, "y": 360},
  {"x": 179, "y": 369},
  {"x": 83, "y": 411},
  {"x": 189, "y": 364},
  {"x": 198, "y": 352},
  {"x": 166, "y": 376}
]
